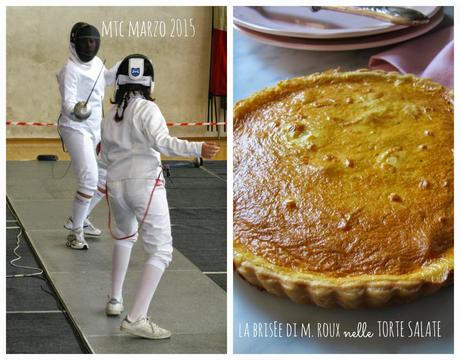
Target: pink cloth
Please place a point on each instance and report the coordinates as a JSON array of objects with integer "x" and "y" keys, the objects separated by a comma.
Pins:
[{"x": 430, "y": 56}]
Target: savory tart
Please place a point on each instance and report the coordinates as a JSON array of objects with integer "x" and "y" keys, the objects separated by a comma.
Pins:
[{"x": 343, "y": 188}]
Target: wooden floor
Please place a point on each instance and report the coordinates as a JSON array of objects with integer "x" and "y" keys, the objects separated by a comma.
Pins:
[{"x": 29, "y": 149}]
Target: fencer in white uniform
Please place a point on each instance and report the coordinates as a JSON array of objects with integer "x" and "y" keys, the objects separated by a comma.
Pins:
[
  {"x": 134, "y": 134},
  {"x": 79, "y": 126}
]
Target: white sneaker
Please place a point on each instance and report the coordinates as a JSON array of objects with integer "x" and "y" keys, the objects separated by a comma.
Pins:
[
  {"x": 76, "y": 240},
  {"x": 144, "y": 328},
  {"x": 88, "y": 228},
  {"x": 114, "y": 307}
]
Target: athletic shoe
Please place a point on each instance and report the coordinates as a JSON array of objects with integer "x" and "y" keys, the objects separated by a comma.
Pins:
[
  {"x": 114, "y": 307},
  {"x": 76, "y": 240},
  {"x": 144, "y": 328},
  {"x": 88, "y": 228}
]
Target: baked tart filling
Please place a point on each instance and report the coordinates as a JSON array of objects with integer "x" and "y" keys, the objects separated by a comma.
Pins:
[{"x": 343, "y": 188}]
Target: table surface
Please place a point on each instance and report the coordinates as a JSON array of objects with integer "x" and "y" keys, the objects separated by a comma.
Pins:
[{"x": 257, "y": 66}]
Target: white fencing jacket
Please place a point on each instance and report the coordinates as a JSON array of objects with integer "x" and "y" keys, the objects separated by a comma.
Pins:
[
  {"x": 76, "y": 79},
  {"x": 131, "y": 148}
]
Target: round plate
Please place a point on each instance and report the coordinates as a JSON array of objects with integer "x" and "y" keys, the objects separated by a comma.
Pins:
[
  {"x": 344, "y": 44},
  {"x": 301, "y": 21}
]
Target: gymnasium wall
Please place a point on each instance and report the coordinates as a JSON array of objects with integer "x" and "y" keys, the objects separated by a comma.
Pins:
[{"x": 177, "y": 39}]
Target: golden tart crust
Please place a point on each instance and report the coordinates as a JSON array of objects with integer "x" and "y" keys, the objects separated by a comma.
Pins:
[{"x": 343, "y": 188}]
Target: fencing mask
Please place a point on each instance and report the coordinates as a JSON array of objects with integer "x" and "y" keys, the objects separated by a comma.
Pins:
[
  {"x": 86, "y": 40},
  {"x": 135, "y": 69}
]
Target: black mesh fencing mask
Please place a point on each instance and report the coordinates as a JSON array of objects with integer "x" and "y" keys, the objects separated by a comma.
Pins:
[{"x": 86, "y": 39}]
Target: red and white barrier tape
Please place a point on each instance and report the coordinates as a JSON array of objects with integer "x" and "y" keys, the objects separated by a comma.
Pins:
[
  {"x": 23, "y": 123},
  {"x": 196, "y": 124}
]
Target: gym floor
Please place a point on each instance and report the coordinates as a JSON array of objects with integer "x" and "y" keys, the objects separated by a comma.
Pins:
[
  {"x": 36, "y": 322},
  {"x": 191, "y": 298}
]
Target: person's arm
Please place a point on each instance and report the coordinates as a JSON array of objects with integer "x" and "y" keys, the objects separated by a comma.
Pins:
[
  {"x": 157, "y": 133},
  {"x": 110, "y": 74},
  {"x": 209, "y": 150},
  {"x": 68, "y": 81}
]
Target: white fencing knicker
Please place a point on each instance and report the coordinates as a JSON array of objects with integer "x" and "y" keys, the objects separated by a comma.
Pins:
[
  {"x": 128, "y": 201},
  {"x": 81, "y": 146}
]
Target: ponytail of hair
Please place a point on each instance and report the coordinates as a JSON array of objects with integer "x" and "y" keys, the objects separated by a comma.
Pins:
[{"x": 122, "y": 97}]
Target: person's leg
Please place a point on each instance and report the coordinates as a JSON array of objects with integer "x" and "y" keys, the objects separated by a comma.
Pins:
[
  {"x": 97, "y": 196},
  {"x": 80, "y": 208},
  {"x": 101, "y": 190},
  {"x": 124, "y": 224},
  {"x": 150, "y": 278},
  {"x": 88, "y": 227},
  {"x": 120, "y": 261},
  {"x": 80, "y": 147},
  {"x": 81, "y": 204},
  {"x": 156, "y": 233}
]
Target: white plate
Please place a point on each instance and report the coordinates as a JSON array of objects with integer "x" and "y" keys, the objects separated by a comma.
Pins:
[
  {"x": 301, "y": 21},
  {"x": 344, "y": 44}
]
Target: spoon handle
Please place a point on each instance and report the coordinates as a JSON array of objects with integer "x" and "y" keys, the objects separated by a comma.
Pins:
[{"x": 394, "y": 14}]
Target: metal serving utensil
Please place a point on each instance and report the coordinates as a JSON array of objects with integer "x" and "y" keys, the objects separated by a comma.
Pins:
[{"x": 394, "y": 14}]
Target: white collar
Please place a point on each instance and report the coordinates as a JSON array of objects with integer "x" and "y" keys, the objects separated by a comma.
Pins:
[{"x": 75, "y": 59}]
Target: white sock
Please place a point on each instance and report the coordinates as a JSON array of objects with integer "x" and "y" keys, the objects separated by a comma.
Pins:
[
  {"x": 95, "y": 200},
  {"x": 150, "y": 278},
  {"x": 120, "y": 261},
  {"x": 80, "y": 211}
]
